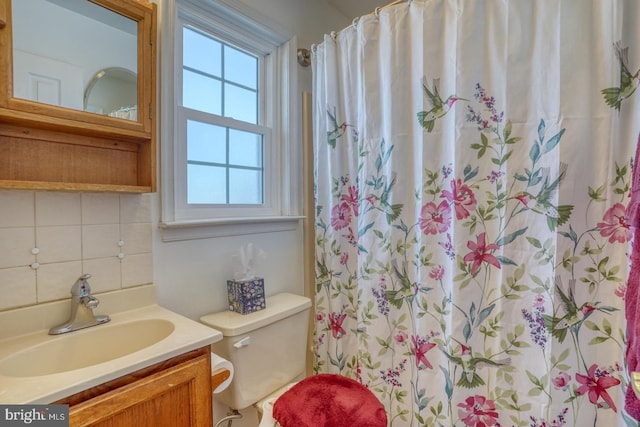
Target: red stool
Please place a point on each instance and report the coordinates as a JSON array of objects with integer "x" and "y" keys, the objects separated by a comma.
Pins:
[{"x": 328, "y": 400}]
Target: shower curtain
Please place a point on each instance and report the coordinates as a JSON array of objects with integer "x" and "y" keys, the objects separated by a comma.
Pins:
[{"x": 473, "y": 162}]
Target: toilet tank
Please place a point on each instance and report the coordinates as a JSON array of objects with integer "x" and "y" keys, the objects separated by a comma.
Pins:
[{"x": 267, "y": 348}]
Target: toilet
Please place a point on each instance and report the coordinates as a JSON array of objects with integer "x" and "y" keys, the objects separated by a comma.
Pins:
[{"x": 267, "y": 349}]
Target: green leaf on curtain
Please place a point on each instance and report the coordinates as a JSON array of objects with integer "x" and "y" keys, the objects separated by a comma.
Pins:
[
  {"x": 511, "y": 237},
  {"x": 482, "y": 148},
  {"x": 467, "y": 331},
  {"x": 469, "y": 173},
  {"x": 534, "y": 242},
  {"x": 507, "y": 130},
  {"x": 364, "y": 229},
  {"x": 484, "y": 313},
  {"x": 534, "y": 153},
  {"x": 506, "y": 261},
  {"x": 519, "y": 177},
  {"x": 551, "y": 144},
  {"x": 598, "y": 340},
  {"x": 448, "y": 386},
  {"x": 541, "y": 128},
  {"x": 500, "y": 161},
  {"x": 339, "y": 362},
  {"x": 472, "y": 313}
]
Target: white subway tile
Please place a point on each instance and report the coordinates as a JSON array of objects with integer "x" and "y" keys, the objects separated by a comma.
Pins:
[
  {"x": 55, "y": 280},
  {"x": 137, "y": 270},
  {"x": 56, "y": 208},
  {"x": 105, "y": 274},
  {"x": 15, "y": 247},
  {"x": 100, "y": 208},
  {"x": 59, "y": 243},
  {"x": 135, "y": 208},
  {"x": 17, "y": 208},
  {"x": 136, "y": 238},
  {"x": 100, "y": 241},
  {"x": 18, "y": 287}
]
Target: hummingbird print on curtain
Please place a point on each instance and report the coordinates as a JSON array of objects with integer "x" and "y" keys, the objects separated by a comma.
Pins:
[{"x": 614, "y": 96}]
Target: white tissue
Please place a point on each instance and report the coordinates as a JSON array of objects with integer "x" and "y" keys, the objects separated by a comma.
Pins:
[
  {"x": 246, "y": 260},
  {"x": 218, "y": 363}
]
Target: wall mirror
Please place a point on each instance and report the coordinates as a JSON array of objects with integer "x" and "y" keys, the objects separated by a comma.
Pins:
[
  {"x": 75, "y": 54},
  {"x": 78, "y": 95},
  {"x": 113, "y": 91}
]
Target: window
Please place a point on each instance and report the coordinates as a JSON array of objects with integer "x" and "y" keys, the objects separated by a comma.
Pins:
[
  {"x": 227, "y": 154},
  {"x": 225, "y": 160}
]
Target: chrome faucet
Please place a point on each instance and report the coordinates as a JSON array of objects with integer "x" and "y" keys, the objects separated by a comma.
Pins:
[{"x": 82, "y": 305}]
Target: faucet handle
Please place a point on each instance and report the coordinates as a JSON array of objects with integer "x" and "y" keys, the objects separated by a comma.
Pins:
[{"x": 81, "y": 287}]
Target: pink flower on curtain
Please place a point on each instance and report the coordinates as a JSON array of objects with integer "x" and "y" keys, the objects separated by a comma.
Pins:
[
  {"x": 335, "y": 322},
  {"x": 434, "y": 218},
  {"x": 350, "y": 237},
  {"x": 462, "y": 198},
  {"x": 478, "y": 411},
  {"x": 561, "y": 381},
  {"x": 480, "y": 253},
  {"x": 437, "y": 272},
  {"x": 340, "y": 216},
  {"x": 344, "y": 258},
  {"x": 596, "y": 384},
  {"x": 351, "y": 199},
  {"x": 420, "y": 348},
  {"x": 614, "y": 224},
  {"x": 401, "y": 337}
]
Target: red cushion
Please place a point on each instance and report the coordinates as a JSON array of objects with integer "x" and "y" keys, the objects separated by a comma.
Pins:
[{"x": 328, "y": 400}]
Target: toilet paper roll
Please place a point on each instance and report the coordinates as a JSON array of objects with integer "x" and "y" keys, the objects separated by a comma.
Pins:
[{"x": 218, "y": 363}]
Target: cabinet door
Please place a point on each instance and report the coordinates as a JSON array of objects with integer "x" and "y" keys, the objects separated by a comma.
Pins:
[{"x": 178, "y": 396}]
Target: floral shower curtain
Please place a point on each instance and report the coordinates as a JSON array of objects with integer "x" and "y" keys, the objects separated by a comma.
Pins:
[{"x": 472, "y": 169}]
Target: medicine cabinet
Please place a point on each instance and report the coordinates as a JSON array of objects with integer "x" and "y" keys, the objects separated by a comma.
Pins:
[{"x": 78, "y": 95}]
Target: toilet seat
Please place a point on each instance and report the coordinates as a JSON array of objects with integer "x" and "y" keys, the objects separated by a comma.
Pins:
[{"x": 329, "y": 400}]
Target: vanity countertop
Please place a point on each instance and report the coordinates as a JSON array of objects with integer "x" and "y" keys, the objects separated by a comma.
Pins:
[{"x": 185, "y": 336}]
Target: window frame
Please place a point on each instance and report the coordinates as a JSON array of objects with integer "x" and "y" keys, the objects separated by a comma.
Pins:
[{"x": 236, "y": 24}]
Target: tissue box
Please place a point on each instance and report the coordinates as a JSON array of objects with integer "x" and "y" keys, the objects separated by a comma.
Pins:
[{"x": 246, "y": 296}]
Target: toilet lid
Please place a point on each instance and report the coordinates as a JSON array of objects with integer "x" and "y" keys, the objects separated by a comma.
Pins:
[{"x": 328, "y": 400}]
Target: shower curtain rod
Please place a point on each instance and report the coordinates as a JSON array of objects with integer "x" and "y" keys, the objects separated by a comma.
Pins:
[{"x": 304, "y": 55}]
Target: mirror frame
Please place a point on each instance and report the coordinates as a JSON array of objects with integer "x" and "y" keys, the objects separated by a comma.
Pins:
[{"x": 32, "y": 113}]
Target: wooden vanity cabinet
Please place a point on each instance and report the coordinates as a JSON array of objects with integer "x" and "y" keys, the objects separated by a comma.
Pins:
[
  {"x": 174, "y": 393},
  {"x": 49, "y": 147}
]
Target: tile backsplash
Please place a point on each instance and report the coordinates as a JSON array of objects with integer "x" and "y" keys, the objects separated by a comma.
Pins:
[{"x": 48, "y": 239}]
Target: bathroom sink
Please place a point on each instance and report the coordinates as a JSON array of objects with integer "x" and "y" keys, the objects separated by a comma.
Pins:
[{"x": 86, "y": 347}]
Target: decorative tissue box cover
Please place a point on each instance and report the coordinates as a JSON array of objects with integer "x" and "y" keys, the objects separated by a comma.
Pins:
[{"x": 246, "y": 296}]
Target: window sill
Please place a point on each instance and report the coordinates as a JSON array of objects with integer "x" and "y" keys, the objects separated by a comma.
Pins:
[{"x": 222, "y": 227}]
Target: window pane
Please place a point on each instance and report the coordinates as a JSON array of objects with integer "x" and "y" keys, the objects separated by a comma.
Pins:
[
  {"x": 201, "y": 93},
  {"x": 201, "y": 53},
  {"x": 206, "y": 185},
  {"x": 245, "y": 148},
  {"x": 240, "y": 67},
  {"x": 206, "y": 143},
  {"x": 241, "y": 104},
  {"x": 245, "y": 186}
]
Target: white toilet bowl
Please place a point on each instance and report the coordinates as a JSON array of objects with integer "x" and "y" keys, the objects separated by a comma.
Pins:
[{"x": 265, "y": 407}]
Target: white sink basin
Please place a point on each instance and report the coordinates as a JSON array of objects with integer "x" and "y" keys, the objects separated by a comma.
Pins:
[{"x": 87, "y": 347}]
